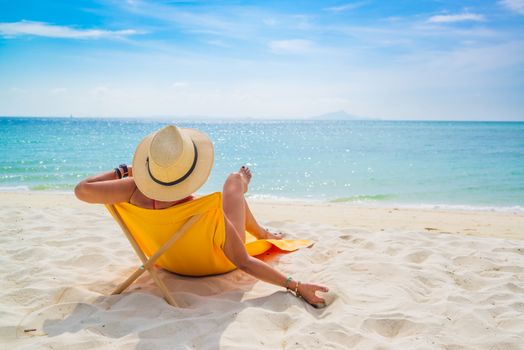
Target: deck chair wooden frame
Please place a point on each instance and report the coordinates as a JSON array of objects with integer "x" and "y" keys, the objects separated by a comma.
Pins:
[{"x": 148, "y": 264}]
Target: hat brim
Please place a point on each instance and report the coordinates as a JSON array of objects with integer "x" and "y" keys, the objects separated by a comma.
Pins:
[{"x": 193, "y": 182}]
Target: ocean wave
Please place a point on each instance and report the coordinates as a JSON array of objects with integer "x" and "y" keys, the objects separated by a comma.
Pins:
[
  {"x": 388, "y": 201},
  {"x": 275, "y": 198},
  {"x": 14, "y": 188},
  {"x": 464, "y": 207},
  {"x": 37, "y": 188},
  {"x": 364, "y": 198},
  {"x": 430, "y": 206},
  {"x": 62, "y": 187}
]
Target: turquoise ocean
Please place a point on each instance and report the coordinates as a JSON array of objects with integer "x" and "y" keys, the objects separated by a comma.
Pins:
[{"x": 414, "y": 163}]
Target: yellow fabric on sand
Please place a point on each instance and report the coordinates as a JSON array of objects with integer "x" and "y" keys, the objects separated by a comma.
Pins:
[{"x": 199, "y": 251}]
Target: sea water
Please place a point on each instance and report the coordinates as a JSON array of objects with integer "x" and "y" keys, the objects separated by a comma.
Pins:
[{"x": 477, "y": 164}]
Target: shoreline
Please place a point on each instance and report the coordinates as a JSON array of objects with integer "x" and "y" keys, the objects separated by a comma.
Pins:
[
  {"x": 262, "y": 198},
  {"x": 493, "y": 223}
]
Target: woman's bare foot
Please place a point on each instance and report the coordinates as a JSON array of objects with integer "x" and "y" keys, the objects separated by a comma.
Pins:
[
  {"x": 273, "y": 235},
  {"x": 264, "y": 233},
  {"x": 246, "y": 176}
]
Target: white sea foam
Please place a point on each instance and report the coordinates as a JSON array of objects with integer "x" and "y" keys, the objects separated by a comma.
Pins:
[
  {"x": 514, "y": 208},
  {"x": 381, "y": 204},
  {"x": 273, "y": 198},
  {"x": 428, "y": 206},
  {"x": 14, "y": 188}
]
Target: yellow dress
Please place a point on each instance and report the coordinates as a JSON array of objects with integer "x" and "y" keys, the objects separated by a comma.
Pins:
[{"x": 199, "y": 251}]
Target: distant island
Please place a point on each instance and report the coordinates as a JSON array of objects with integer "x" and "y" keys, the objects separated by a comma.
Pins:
[{"x": 338, "y": 115}]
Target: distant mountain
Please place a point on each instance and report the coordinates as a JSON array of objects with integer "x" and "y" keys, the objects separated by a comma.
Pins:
[{"x": 338, "y": 115}]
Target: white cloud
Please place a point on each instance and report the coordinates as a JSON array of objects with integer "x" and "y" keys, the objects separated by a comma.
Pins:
[
  {"x": 99, "y": 91},
  {"x": 346, "y": 7},
  {"x": 179, "y": 84},
  {"x": 58, "y": 90},
  {"x": 219, "y": 43},
  {"x": 17, "y": 90},
  {"x": 43, "y": 29},
  {"x": 462, "y": 17},
  {"x": 205, "y": 23},
  {"x": 514, "y": 5},
  {"x": 293, "y": 46}
]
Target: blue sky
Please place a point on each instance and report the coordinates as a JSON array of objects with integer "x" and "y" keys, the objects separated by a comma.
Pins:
[{"x": 419, "y": 59}]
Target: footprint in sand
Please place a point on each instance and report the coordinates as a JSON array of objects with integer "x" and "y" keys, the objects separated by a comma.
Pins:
[
  {"x": 510, "y": 250},
  {"x": 391, "y": 328},
  {"x": 418, "y": 257}
]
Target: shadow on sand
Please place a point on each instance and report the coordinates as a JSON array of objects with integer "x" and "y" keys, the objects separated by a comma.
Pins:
[{"x": 140, "y": 317}]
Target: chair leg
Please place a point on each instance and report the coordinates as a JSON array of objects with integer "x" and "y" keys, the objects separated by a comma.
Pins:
[
  {"x": 123, "y": 286},
  {"x": 154, "y": 275},
  {"x": 163, "y": 289},
  {"x": 148, "y": 264}
]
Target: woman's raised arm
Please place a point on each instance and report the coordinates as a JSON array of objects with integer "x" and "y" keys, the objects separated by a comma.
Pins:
[{"x": 105, "y": 188}]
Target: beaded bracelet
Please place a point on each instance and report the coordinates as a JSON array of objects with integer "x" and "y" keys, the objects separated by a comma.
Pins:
[
  {"x": 124, "y": 167},
  {"x": 289, "y": 279},
  {"x": 287, "y": 282},
  {"x": 297, "y": 294},
  {"x": 118, "y": 173}
]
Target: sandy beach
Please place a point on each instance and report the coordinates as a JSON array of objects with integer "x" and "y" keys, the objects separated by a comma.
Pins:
[{"x": 400, "y": 278}]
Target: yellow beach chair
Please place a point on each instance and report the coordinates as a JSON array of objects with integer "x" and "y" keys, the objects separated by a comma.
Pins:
[{"x": 186, "y": 239}]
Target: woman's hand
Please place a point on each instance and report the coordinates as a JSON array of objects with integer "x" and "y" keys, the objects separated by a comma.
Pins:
[
  {"x": 235, "y": 251},
  {"x": 307, "y": 291}
]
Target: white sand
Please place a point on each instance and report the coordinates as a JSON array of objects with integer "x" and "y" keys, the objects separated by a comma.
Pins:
[{"x": 397, "y": 282}]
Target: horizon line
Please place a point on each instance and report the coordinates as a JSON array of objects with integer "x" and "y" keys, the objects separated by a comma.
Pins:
[{"x": 208, "y": 118}]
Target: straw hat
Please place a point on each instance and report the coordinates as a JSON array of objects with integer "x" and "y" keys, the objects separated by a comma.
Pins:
[{"x": 172, "y": 163}]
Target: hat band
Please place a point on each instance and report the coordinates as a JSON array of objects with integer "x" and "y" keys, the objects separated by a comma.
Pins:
[{"x": 179, "y": 180}]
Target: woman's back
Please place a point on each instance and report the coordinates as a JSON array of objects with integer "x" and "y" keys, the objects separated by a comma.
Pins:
[{"x": 140, "y": 200}]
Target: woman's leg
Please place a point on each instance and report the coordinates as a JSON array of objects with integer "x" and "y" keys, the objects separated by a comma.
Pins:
[
  {"x": 236, "y": 208},
  {"x": 252, "y": 225},
  {"x": 256, "y": 230},
  {"x": 233, "y": 202}
]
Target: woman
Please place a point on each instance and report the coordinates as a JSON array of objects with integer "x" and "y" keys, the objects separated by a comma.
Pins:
[{"x": 168, "y": 166}]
